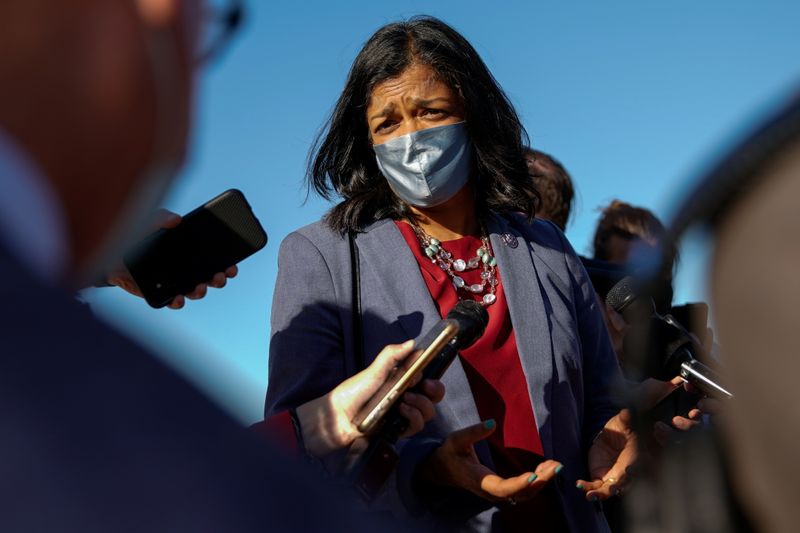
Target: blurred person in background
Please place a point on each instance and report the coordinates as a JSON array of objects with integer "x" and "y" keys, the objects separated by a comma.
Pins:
[
  {"x": 627, "y": 234},
  {"x": 554, "y": 184},
  {"x": 555, "y": 203},
  {"x": 99, "y": 435},
  {"x": 624, "y": 235}
]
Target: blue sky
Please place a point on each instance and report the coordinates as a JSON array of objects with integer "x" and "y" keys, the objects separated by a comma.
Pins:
[{"x": 635, "y": 98}]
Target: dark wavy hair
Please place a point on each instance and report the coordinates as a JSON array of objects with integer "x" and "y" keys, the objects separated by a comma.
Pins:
[
  {"x": 556, "y": 193},
  {"x": 342, "y": 162},
  {"x": 628, "y": 222}
]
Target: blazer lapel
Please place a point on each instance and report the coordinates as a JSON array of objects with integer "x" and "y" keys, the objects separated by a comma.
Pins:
[
  {"x": 529, "y": 317},
  {"x": 384, "y": 251}
]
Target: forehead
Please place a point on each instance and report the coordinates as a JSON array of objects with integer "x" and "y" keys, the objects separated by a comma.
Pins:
[
  {"x": 417, "y": 81},
  {"x": 618, "y": 248}
]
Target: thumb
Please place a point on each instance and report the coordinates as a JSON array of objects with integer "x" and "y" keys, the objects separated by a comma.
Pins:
[
  {"x": 651, "y": 391},
  {"x": 368, "y": 381},
  {"x": 616, "y": 319},
  {"x": 466, "y": 437},
  {"x": 164, "y": 218},
  {"x": 386, "y": 361}
]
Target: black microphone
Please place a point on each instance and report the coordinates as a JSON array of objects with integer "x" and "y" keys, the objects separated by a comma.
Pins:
[
  {"x": 680, "y": 359},
  {"x": 372, "y": 468},
  {"x": 623, "y": 298},
  {"x": 471, "y": 319},
  {"x": 674, "y": 347}
]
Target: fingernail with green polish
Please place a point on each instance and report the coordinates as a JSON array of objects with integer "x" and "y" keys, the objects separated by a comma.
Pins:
[
  {"x": 559, "y": 468},
  {"x": 489, "y": 424},
  {"x": 533, "y": 478},
  {"x": 579, "y": 485}
]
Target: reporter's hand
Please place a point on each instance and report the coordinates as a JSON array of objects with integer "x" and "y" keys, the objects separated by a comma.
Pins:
[
  {"x": 327, "y": 422},
  {"x": 456, "y": 464},
  {"x": 706, "y": 405},
  {"x": 651, "y": 391},
  {"x": 665, "y": 433},
  {"x": 616, "y": 326},
  {"x": 612, "y": 454},
  {"x": 120, "y": 277},
  {"x": 419, "y": 408}
]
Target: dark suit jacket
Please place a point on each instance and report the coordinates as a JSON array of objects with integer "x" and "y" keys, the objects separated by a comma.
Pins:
[
  {"x": 563, "y": 346},
  {"x": 98, "y": 435}
]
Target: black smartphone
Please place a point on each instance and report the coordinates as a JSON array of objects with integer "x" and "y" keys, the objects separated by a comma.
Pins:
[
  {"x": 694, "y": 317},
  {"x": 677, "y": 403},
  {"x": 406, "y": 375},
  {"x": 218, "y": 234}
]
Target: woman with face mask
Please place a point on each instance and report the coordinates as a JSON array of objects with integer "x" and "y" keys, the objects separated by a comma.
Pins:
[{"x": 425, "y": 151}]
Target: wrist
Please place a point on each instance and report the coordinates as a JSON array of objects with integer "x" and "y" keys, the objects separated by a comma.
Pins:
[{"x": 319, "y": 427}]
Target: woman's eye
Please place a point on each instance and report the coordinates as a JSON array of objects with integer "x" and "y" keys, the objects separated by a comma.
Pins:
[
  {"x": 434, "y": 113},
  {"x": 383, "y": 126}
]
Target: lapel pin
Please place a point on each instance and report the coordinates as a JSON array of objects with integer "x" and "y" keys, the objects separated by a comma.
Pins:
[{"x": 509, "y": 240}]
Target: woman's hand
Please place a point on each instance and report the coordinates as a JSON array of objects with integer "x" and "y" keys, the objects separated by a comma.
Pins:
[
  {"x": 327, "y": 422},
  {"x": 613, "y": 452},
  {"x": 120, "y": 277},
  {"x": 455, "y": 464}
]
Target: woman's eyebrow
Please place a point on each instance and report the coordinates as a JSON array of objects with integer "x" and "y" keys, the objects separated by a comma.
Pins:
[
  {"x": 384, "y": 112},
  {"x": 420, "y": 102}
]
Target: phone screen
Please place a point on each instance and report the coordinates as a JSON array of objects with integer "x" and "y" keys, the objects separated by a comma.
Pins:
[
  {"x": 404, "y": 376},
  {"x": 208, "y": 240}
]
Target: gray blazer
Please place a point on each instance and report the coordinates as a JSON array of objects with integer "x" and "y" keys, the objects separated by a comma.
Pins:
[{"x": 563, "y": 346}]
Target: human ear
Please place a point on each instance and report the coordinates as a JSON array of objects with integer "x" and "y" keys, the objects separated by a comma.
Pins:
[{"x": 157, "y": 13}]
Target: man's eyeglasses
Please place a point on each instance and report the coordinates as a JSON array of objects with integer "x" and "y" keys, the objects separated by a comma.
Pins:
[{"x": 220, "y": 22}]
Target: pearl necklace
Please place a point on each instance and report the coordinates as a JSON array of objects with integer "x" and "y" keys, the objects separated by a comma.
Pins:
[{"x": 483, "y": 259}]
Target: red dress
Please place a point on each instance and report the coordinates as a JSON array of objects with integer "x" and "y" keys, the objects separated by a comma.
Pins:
[{"x": 497, "y": 381}]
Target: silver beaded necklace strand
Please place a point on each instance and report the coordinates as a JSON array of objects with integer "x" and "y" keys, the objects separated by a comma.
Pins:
[{"x": 483, "y": 259}]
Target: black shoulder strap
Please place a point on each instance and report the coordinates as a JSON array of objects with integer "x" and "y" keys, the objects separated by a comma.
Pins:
[{"x": 358, "y": 333}]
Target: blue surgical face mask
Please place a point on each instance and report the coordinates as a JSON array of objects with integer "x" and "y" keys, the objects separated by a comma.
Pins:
[{"x": 428, "y": 167}]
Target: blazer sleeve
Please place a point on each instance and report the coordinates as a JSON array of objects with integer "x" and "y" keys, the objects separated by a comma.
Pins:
[
  {"x": 306, "y": 351},
  {"x": 279, "y": 429},
  {"x": 602, "y": 377}
]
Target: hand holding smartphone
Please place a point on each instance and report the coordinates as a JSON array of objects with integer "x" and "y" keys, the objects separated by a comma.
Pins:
[
  {"x": 406, "y": 375},
  {"x": 220, "y": 233}
]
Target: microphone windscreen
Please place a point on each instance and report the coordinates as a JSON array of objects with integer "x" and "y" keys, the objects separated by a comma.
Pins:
[
  {"x": 472, "y": 319},
  {"x": 603, "y": 274},
  {"x": 622, "y": 294}
]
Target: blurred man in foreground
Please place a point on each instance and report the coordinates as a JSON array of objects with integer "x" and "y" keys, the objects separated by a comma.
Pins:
[{"x": 98, "y": 434}]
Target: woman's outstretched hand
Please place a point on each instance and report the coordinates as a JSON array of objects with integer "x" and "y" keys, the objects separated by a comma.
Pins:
[
  {"x": 456, "y": 464},
  {"x": 613, "y": 452}
]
